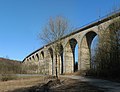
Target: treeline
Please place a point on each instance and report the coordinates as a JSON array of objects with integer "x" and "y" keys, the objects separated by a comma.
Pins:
[
  {"x": 9, "y": 69},
  {"x": 8, "y": 66},
  {"x": 107, "y": 56}
]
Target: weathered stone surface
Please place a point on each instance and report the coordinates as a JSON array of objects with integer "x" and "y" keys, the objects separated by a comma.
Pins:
[{"x": 65, "y": 63}]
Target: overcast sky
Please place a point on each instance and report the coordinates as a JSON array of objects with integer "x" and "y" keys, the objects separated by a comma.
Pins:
[{"x": 22, "y": 20}]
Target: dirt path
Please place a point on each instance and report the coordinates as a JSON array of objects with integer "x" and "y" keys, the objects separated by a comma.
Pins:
[{"x": 105, "y": 85}]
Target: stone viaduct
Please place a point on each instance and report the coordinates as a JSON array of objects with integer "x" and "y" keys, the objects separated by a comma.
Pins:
[{"x": 45, "y": 58}]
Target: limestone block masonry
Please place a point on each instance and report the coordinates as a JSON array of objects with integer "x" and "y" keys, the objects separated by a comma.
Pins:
[{"x": 45, "y": 57}]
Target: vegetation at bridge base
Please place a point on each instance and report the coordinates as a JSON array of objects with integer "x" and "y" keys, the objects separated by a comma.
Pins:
[{"x": 107, "y": 57}]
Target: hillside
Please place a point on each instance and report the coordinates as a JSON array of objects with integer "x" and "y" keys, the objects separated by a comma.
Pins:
[
  {"x": 8, "y": 60},
  {"x": 10, "y": 66}
]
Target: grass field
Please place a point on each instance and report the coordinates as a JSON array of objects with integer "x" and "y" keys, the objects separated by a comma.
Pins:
[
  {"x": 33, "y": 83},
  {"x": 21, "y": 82}
]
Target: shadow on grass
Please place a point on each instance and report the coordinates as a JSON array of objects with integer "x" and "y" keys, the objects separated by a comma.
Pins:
[
  {"x": 36, "y": 88},
  {"x": 64, "y": 86}
]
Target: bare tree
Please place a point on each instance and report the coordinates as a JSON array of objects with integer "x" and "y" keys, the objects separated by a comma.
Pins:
[{"x": 53, "y": 31}]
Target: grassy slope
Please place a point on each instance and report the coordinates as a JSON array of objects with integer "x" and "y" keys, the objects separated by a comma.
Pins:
[{"x": 7, "y": 65}]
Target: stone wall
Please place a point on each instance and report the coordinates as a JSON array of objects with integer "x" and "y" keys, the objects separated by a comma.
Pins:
[{"x": 65, "y": 63}]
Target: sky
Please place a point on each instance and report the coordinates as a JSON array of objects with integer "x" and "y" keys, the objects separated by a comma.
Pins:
[{"x": 22, "y": 20}]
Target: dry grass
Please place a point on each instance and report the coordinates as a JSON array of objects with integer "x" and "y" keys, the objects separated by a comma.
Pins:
[
  {"x": 20, "y": 83},
  {"x": 31, "y": 84}
]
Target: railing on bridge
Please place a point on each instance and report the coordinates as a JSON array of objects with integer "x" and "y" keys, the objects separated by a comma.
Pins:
[{"x": 99, "y": 19}]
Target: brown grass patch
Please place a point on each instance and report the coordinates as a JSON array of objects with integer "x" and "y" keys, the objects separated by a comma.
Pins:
[
  {"x": 65, "y": 85},
  {"x": 20, "y": 83}
]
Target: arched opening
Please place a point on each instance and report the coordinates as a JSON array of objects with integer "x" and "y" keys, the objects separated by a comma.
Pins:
[
  {"x": 27, "y": 59},
  {"x": 42, "y": 64},
  {"x": 61, "y": 59},
  {"x": 76, "y": 58},
  {"x": 70, "y": 56},
  {"x": 94, "y": 45},
  {"x": 37, "y": 57},
  {"x": 86, "y": 50},
  {"x": 74, "y": 47},
  {"x": 51, "y": 61},
  {"x": 42, "y": 55},
  {"x": 33, "y": 58},
  {"x": 30, "y": 58}
]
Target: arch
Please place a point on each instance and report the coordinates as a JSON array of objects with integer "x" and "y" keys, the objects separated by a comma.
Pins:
[
  {"x": 51, "y": 67},
  {"x": 51, "y": 52},
  {"x": 42, "y": 55},
  {"x": 76, "y": 53},
  {"x": 85, "y": 50},
  {"x": 94, "y": 46},
  {"x": 70, "y": 55},
  {"x": 73, "y": 43},
  {"x": 37, "y": 57},
  {"x": 30, "y": 58},
  {"x": 27, "y": 59},
  {"x": 61, "y": 60},
  {"x": 33, "y": 58},
  {"x": 41, "y": 63}
]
